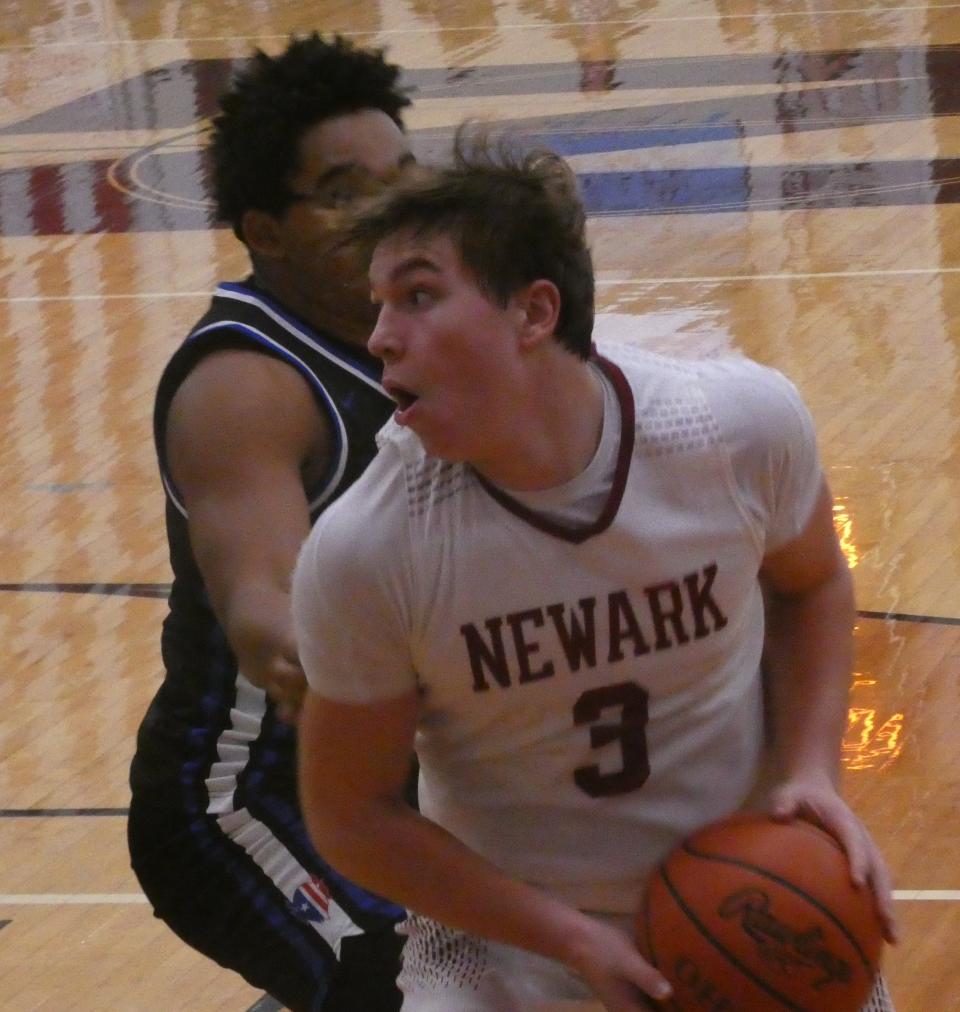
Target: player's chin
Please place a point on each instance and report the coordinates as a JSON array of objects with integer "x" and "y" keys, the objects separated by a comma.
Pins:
[
  {"x": 413, "y": 414},
  {"x": 438, "y": 444}
]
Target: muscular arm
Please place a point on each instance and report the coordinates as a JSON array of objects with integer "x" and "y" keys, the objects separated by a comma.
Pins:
[
  {"x": 239, "y": 430},
  {"x": 352, "y": 763},
  {"x": 810, "y": 648},
  {"x": 809, "y": 656}
]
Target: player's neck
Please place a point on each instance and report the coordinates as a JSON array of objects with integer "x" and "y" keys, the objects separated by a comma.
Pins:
[
  {"x": 345, "y": 315},
  {"x": 555, "y": 432}
]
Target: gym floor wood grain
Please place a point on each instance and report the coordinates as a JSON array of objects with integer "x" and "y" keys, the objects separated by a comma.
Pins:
[{"x": 776, "y": 176}]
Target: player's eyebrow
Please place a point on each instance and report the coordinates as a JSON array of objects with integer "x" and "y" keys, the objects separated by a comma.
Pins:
[
  {"x": 413, "y": 263},
  {"x": 333, "y": 172}
]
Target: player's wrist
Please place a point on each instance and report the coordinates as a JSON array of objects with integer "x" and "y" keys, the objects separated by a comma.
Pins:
[
  {"x": 806, "y": 778},
  {"x": 580, "y": 941}
]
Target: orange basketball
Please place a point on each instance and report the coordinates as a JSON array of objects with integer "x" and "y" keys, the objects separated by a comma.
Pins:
[{"x": 752, "y": 915}]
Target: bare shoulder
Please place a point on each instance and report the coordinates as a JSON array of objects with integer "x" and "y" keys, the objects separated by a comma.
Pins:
[
  {"x": 240, "y": 408},
  {"x": 235, "y": 380}
]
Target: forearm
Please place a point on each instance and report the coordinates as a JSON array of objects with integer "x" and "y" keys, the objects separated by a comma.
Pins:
[
  {"x": 809, "y": 659},
  {"x": 255, "y": 616},
  {"x": 353, "y": 761},
  {"x": 248, "y": 580},
  {"x": 809, "y": 663},
  {"x": 394, "y": 851},
  {"x": 257, "y": 623}
]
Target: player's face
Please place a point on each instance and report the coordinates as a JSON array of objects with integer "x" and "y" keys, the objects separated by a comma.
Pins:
[
  {"x": 451, "y": 355},
  {"x": 341, "y": 160}
]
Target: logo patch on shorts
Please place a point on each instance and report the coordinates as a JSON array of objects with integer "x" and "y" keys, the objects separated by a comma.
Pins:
[{"x": 311, "y": 901}]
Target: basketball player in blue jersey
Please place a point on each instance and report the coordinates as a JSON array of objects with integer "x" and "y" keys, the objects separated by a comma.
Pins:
[
  {"x": 552, "y": 580},
  {"x": 264, "y": 415}
]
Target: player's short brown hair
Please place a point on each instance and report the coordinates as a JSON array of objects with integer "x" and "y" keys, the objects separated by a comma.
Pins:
[{"x": 514, "y": 216}]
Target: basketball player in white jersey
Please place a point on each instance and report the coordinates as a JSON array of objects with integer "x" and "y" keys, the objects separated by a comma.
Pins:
[{"x": 552, "y": 579}]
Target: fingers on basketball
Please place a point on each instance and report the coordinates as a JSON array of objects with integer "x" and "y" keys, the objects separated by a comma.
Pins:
[{"x": 752, "y": 913}]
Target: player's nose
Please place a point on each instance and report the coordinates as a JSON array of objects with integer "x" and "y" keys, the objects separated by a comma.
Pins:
[{"x": 385, "y": 341}]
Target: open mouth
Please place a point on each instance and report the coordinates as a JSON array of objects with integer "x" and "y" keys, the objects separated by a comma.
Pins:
[{"x": 403, "y": 397}]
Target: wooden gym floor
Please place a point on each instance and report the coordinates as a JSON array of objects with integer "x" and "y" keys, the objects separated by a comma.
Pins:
[{"x": 776, "y": 176}]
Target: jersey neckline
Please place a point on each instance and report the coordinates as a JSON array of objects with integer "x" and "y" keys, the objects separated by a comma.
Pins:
[{"x": 578, "y": 533}]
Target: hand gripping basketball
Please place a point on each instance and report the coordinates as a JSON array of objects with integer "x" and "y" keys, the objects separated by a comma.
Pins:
[{"x": 754, "y": 914}]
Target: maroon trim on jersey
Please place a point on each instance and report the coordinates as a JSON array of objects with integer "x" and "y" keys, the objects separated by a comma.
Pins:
[{"x": 580, "y": 533}]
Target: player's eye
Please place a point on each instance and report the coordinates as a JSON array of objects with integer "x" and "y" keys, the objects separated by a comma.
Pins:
[{"x": 339, "y": 198}]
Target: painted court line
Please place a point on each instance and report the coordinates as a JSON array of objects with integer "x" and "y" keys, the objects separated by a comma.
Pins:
[
  {"x": 950, "y": 895},
  {"x": 68, "y": 899},
  {"x": 784, "y": 276},
  {"x": 107, "y": 298},
  {"x": 100, "y": 899},
  {"x": 602, "y": 283},
  {"x": 438, "y": 30}
]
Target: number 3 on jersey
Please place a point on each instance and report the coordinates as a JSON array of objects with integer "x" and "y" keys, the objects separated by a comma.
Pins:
[{"x": 630, "y": 730}]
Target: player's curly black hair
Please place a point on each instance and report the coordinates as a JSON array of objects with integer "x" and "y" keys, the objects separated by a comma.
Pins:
[{"x": 273, "y": 100}]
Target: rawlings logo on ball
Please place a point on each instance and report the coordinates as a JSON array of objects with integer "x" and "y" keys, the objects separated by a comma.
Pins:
[{"x": 781, "y": 944}]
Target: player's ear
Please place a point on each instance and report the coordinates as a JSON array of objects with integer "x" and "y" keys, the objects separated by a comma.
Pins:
[
  {"x": 261, "y": 233},
  {"x": 540, "y": 302}
]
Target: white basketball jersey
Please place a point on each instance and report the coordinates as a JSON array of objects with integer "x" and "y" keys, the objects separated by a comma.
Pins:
[{"x": 589, "y": 694}]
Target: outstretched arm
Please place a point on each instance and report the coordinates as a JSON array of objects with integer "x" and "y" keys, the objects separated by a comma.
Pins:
[
  {"x": 239, "y": 430},
  {"x": 810, "y": 659}
]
